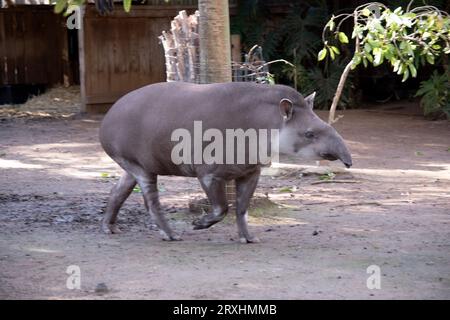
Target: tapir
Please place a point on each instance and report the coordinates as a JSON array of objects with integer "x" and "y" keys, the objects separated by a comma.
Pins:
[{"x": 137, "y": 134}]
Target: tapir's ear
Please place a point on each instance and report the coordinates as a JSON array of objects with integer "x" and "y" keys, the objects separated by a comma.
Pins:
[
  {"x": 309, "y": 100},
  {"x": 286, "y": 109}
]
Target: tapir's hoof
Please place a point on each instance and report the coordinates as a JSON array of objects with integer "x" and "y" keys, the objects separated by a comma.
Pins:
[
  {"x": 173, "y": 237},
  {"x": 110, "y": 228},
  {"x": 200, "y": 224},
  {"x": 249, "y": 240}
]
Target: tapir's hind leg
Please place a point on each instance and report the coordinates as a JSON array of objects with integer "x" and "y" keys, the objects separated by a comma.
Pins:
[
  {"x": 117, "y": 197},
  {"x": 245, "y": 187},
  {"x": 148, "y": 184},
  {"x": 215, "y": 190}
]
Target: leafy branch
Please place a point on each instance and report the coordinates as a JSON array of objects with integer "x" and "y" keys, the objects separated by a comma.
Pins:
[{"x": 405, "y": 39}]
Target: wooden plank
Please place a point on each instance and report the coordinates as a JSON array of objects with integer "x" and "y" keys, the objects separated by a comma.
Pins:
[
  {"x": 3, "y": 53},
  {"x": 81, "y": 60},
  {"x": 10, "y": 47},
  {"x": 104, "y": 97},
  {"x": 236, "y": 54},
  {"x": 53, "y": 53},
  {"x": 20, "y": 67}
]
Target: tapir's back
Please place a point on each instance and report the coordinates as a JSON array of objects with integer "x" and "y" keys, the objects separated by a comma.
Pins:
[{"x": 139, "y": 125}]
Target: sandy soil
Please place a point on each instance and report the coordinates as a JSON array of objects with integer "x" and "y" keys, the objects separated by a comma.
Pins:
[{"x": 317, "y": 239}]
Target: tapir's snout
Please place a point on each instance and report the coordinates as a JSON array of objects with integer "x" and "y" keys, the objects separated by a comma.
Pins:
[
  {"x": 337, "y": 150},
  {"x": 343, "y": 154}
]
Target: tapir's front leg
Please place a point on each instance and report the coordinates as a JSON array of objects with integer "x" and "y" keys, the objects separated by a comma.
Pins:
[{"x": 245, "y": 187}]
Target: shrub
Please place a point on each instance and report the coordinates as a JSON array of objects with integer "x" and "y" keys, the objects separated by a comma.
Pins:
[{"x": 435, "y": 93}]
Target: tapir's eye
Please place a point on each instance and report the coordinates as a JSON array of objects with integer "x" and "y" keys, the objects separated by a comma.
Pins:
[{"x": 309, "y": 134}]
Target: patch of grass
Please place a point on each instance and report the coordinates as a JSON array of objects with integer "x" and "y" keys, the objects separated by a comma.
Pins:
[
  {"x": 327, "y": 176},
  {"x": 137, "y": 189},
  {"x": 419, "y": 153},
  {"x": 286, "y": 189},
  {"x": 260, "y": 207}
]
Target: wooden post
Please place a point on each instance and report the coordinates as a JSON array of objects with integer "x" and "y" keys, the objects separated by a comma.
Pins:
[{"x": 236, "y": 48}]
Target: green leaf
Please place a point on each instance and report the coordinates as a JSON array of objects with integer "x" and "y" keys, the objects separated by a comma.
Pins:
[
  {"x": 356, "y": 61},
  {"x": 60, "y": 5},
  {"x": 396, "y": 65},
  {"x": 378, "y": 56},
  {"x": 366, "y": 12},
  {"x": 330, "y": 24},
  {"x": 332, "y": 55},
  {"x": 343, "y": 37},
  {"x": 335, "y": 49},
  {"x": 405, "y": 75},
  {"x": 322, "y": 54},
  {"x": 127, "y": 5},
  {"x": 413, "y": 70}
]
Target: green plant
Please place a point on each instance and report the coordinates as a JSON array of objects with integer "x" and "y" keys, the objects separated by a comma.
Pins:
[
  {"x": 298, "y": 31},
  {"x": 406, "y": 38},
  {"x": 301, "y": 32},
  {"x": 435, "y": 93}
]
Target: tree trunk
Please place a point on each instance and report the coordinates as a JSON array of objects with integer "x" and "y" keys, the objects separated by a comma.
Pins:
[
  {"x": 215, "y": 51},
  {"x": 337, "y": 96},
  {"x": 214, "y": 34}
]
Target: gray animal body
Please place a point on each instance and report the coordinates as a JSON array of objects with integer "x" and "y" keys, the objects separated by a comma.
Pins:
[{"x": 137, "y": 134}]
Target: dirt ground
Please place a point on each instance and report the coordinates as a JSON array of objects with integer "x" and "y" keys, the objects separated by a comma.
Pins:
[{"x": 317, "y": 239}]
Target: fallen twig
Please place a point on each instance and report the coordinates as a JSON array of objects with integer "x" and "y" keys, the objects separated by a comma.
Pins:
[
  {"x": 359, "y": 204},
  {"x": 336, "y": 181}
]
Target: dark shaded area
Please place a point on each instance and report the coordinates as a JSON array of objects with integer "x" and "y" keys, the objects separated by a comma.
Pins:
[
  {"x": 19, "y": 93},
  {"x": 292, "y": 30}
]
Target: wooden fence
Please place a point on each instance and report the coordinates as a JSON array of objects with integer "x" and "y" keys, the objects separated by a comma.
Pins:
[
  {"x": 33, "y": 46},
  {"x": 121, "y": 52}
]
